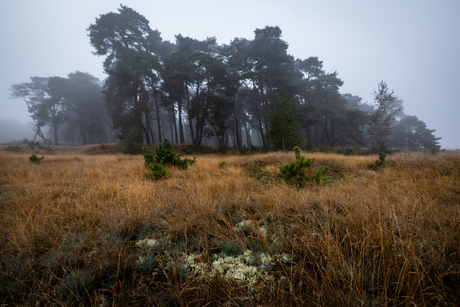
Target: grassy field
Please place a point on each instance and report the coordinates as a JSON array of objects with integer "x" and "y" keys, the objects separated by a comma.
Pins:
[{"x": 91, "y": 230}]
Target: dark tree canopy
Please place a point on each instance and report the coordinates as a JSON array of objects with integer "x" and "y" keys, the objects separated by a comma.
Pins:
[
  {"x": 410, "y": 132},
  {"x": 248, "y": 92}
]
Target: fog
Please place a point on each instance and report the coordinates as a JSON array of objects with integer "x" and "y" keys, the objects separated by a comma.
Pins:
[{"x": 411, "y": 45}]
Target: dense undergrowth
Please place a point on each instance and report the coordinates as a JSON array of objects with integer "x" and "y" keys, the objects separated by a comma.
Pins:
[{"x": 96, "y": 232}]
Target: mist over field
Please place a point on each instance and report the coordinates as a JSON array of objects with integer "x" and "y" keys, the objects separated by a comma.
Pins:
[{"x": 13, "y": 130}]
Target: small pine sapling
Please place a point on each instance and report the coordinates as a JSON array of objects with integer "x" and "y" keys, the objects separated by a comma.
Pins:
[
  {"x": 34, "y": 159},
  {"x": 297, "y": 151},
  {"x": 348, "y": 151},
  {"x": 164, "y": 155},
  {"x": 295, "y": 173},
  {"x": 381, "y": 160},
  {"x": 158, "y": 172}
]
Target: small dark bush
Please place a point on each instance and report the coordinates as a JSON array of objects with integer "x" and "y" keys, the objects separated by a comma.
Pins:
[
  {"x": 164, "y": 155},
  {"x": 254, "y": 149},
  {"x": 381, "y": 160},
  {"x": 158, "y": 172},
  {"x": 204, "y": 150},
  {"x": 185, "y": 150},
  {"x": 348, "y": 151},
  {"x": 14, "y": 148},
  {"x": 221, "y": 149},
  {"x": 295, "y": 172},
  {"x": 34, "y": 159},
  {"x": 133, "y": 143}
]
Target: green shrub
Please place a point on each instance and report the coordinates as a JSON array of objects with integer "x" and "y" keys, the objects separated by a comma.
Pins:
[
  {"x": 244, "y": 150},
  {"x": 204, "y": 150},
  {"x": 254, "y": 149},
  {"x": 34, "y": 159},
  {"x": 133, "y": 143},
  {"x": 222, "y": 164},
  {"x": 348, "y": 151},
  {"x": 381, "y": 160},
  {"x": 14, "y": 148},
  {"x": 102, "y": 146},
  {"x": 185, "y": 150},
  {"x": 25, "y": 141},
  {"x": 221, "y": 149},
  {"x": 295, "y": 173},
  {"x": 297, "y": 151},
  {"x": 164, "y": 155},
  {"x": 157, "y": 171}
]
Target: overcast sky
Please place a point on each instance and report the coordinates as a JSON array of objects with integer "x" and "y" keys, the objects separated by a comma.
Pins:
[{"x": 412, "y": 45}]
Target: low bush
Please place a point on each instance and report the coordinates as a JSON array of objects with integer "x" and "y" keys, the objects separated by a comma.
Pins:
[
  {"x": 133, "y": 144},
  {"x": 34, "y": 159},
  {"x": 185, "y": 150},
  {"x": 295, "y": 173},
  {"x": 164, "y": 155},
  {"x": 381, "y": 160},
  {"x": 204, "y": 150},
  {"x": 221, "y": 149},
  {"x": 14, "y": 148}
]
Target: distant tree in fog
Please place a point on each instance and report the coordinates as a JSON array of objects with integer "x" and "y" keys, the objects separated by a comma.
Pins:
[
  {"x": 43, "y": 103},
  {"x": 83, "y": 101},
  {"x": 383, "y": 116},
  {"x": 410, "y": 132}
]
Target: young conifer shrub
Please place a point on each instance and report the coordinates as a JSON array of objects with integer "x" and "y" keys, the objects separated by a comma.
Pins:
[
  {"x": 157, "y": 171},
  {"x": 164, "y": 155},
  {"x": 34, "y": 159},
  {"x": 381, "y": 160},
  {"x": 295, "y": 173}
]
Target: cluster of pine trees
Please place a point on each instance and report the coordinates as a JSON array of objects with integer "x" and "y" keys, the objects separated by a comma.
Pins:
[
  {"x": 72, "y": 107},
  {"x": 249, "y": 92}
]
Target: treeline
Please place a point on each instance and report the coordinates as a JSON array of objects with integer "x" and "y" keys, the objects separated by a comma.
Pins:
[
  {"x": 73, "y": 107},
  {"x": 249, "y": 92}
]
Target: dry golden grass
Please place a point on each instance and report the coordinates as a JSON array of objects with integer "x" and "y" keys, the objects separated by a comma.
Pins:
[{"x": 385, "y": 236}]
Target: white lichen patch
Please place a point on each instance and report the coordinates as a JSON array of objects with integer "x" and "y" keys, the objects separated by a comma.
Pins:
[
  {"x": 248, "y": 268},
  {"x": 248, "y": 225},
  {"x": 148, "y": 243}
]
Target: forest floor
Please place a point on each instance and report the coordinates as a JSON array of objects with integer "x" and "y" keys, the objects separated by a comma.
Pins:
[{"x": 91, "y": 230}]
